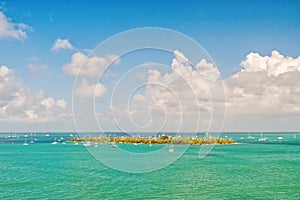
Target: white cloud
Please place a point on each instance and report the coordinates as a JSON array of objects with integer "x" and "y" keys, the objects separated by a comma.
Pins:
[
  {"x": 36, "y": 67},
  {"x": 61, "y": 44},
  {"x": 274, "y": 65},
  {"x": 265, "y": 90},
  {"x": 171, "y": 100},
  {"x": 85, "y": 90},
  {"x": 21, "y": 104},
  {"x": 88, "y": 66},
  {"x": 33, "y": 59},
  {"x": 9, "y": 29},
  {"x": 267, "y": 86},
  {"x": 208, "y": 70}
]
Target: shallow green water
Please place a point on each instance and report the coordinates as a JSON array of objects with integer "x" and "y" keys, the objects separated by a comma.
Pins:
[{"x": 242, "y": 171}]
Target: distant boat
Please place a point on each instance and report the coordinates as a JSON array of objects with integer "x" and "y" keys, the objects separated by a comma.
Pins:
[
  {"x": 25, "y": 142},
  {"x": 280, "y": 138},
  {"x": 87, "y": 144},
  {"x": 295, "y": 136},
  {"x": 250, "y": 136},
  {"x": 114, "y": 146},
  {"x": 171, "y": 149},
  {"x": 135, "y": 144},
  {"x": 262, "y": 139},
  {"x": 47, "y": 135},
  {"x": 54, "y": 142}
]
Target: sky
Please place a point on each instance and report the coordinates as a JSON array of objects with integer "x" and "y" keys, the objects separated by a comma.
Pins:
[{"x": 252, "y": 55}]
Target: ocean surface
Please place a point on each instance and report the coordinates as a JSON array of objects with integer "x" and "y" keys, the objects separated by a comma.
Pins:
[{"x": 262, "y": 166}]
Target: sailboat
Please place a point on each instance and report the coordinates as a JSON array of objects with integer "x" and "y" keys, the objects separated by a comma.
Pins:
[
  {"x": 54, "y": 142},
  {"x": 250, "y": 136},
  {"x": 261, "y": 139},
  {"x": 25, "y": 142},
  {"x": 87, "y": 144},
  {"x": 295, "y": 136},
  {"x": 171, "y": 149}
]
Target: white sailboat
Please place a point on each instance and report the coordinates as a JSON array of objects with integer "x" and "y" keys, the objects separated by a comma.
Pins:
[
  {"x": 87, "y": 144},
  {"x": 262, "y": 139},
  {"x": 250, "y": 136},
  {"x": 171, "y": 149},
  {"x": 25, "y": 142},
  {"x": 54, "y": 142}
]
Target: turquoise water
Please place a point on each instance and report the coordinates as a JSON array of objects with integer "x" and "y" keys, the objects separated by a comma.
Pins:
[{"x": 241, "y": 171}]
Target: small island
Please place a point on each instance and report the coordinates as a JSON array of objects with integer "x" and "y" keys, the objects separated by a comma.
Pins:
[{"x": 164, "y": 139}]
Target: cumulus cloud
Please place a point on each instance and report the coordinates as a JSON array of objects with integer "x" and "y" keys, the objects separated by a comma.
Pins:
[
  {"x": 21, "y": 104},
  {"x": 88, "y": 66},
  {"x": 8, "y": 29},
  {"x": 86, "y": 90},
  {"x": 61, "y": 44},
  {"x": 274, "y": 65},
  {"x": 172, "y": 100},
  {"x": 267, "y": 86}
]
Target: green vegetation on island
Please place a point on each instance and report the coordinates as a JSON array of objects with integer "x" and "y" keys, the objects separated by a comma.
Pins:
[{"x": 164, "y": 139}]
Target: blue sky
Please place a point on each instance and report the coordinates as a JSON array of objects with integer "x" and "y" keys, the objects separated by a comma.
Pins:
[{"x": 228, "y": 30}]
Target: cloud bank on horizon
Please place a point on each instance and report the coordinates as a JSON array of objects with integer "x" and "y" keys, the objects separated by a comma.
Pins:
[{"x": 267, "y": 86}]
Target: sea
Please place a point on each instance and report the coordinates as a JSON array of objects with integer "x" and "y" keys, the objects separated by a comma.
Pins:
[{"x": 259, "y": 166}]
